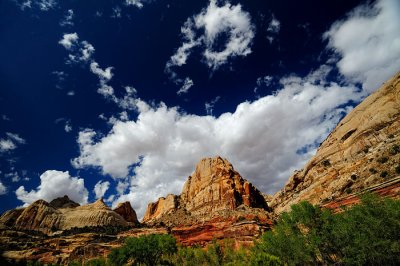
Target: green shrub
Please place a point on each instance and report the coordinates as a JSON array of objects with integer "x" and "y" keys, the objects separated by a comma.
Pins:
[
  {"x": 96, "y": 262},
  {"x": 146, "y": 250},
  {"x": 348, "y": 190},
  {"x": 326, "y": 163},
  {"x": 366, "y": 234},
  {"x": 373, "y": 171},
  {"x": 366, "y": 149},
  {"x": 395, "y": 149},
  {"x": 217, "y": 253},
  {"x": 384, "y": 174},
  {"x": 383, "y": 160},
  {"x": 397, "y": 169}
]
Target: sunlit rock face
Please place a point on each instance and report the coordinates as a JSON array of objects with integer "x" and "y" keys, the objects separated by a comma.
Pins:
[
  {"x": 363, "y": 150},
  {"x": 214, "y": 188},
  {"x": 63, "y": 214}
]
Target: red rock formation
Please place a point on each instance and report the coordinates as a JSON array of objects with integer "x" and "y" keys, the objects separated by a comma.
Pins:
[
  {"x": 389, "y": 189},
  {"x": 243, "y": 230},
  {"x": 127, "y": 212}
]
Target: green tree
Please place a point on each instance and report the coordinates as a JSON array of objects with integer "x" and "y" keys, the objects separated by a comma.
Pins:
[
  {"x": 144, "y": 250},
  {"x": 369, "y": 233},
  {"x": 365, "y": 234}
]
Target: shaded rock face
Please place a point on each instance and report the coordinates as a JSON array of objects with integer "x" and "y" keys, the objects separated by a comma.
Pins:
[
  {"x": 9, "y": 217},
  {"x": 363, "y": 150},
  {"x": 63, "y": 202},
  {"x": 215, "y": 187},
  {"x": 127, "y": 212},
  {"x": 156, "y": 210},
  {"x": 62, "y": 214},
  {"x": 38, "y": 215}
]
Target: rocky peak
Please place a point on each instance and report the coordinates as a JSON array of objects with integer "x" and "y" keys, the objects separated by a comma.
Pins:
[
  {"x": 127, "y": 212},
  {"x": 38, "y": 215},
  {"x": 97, "y": 205},
  {"x": 214, "y": 187},
  {"x": 63, "y": 202}
]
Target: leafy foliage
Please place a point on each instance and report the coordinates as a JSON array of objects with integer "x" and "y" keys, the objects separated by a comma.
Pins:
[
  {"x": 366, "y": 234},
  {"x": 215, "y": 254},
  {"x": 147, "y": 250}
]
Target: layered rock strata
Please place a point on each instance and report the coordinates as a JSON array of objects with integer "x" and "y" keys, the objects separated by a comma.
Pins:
[
  {"x": 214, "y": 189},
  {"x": 63, "y": 214},
  {"x": 363, "y": 150}
]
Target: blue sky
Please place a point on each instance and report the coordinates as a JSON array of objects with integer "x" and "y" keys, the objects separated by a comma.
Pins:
[{"x": 120, "y": 99}]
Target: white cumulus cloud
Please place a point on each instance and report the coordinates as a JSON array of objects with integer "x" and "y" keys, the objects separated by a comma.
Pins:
[
  {"x": 137, "y": 3},
  {"x": 69, "y": 40},
  {"x": 206, "y": 29},
  {"x": 368, "y": 43},
  {"x": 68, "y": 19},
  {"x": 187, "y": 84},
  {"x": 3, "y": 189},
  {"x": 101, "y": 188},
  {"x": 55, "y": 184},
  {"x": 11, "y": 142}
]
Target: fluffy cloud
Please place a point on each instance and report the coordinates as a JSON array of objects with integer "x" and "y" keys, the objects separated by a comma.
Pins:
[
  {"x": 105, "y": 75},
  {"x": 6, "y": 145},
  {"x": 101, "y": 188},
  {"x": 209, "y": 106},
  {"x": 80, "y": 51},
  {"x": 3, "y": 189},
  {"x": 67, "y": 126},
  {"x": 69, "y": 40},
  {"x": 137, "y": 3},
  {"x": 368, "y": 43},
  {"x": 273, "y": 29},
  {"x": 68, "y": 19},
  {"x": 187, "y": 84},
  {"x": 262, "y": 139},
  {"x": 55, "y": 184},
  {"x": 43, "y": 5},
  {"x": 206, "y": 29},
  {"x": 11, "y": 142}
]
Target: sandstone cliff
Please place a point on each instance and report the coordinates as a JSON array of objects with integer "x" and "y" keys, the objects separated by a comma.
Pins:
[
  {"x": 215, "y": 188},
  {"x": 127, "y": 212},
  {"x": 63, "y": 214},
  {"x": 363, "y": 150}
]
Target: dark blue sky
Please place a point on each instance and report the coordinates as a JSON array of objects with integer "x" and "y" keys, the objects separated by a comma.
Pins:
[{"x": 36, "y": 103}]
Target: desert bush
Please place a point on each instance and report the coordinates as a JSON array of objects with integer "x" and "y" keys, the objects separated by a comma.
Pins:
[
  {"x": 326, "y": 163},
  {"x": 383, "y": 160},
  {"x": 397, "y": 169},
  {"x": 395, "y": 149},
  {"x": 373, "y": 171}
]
